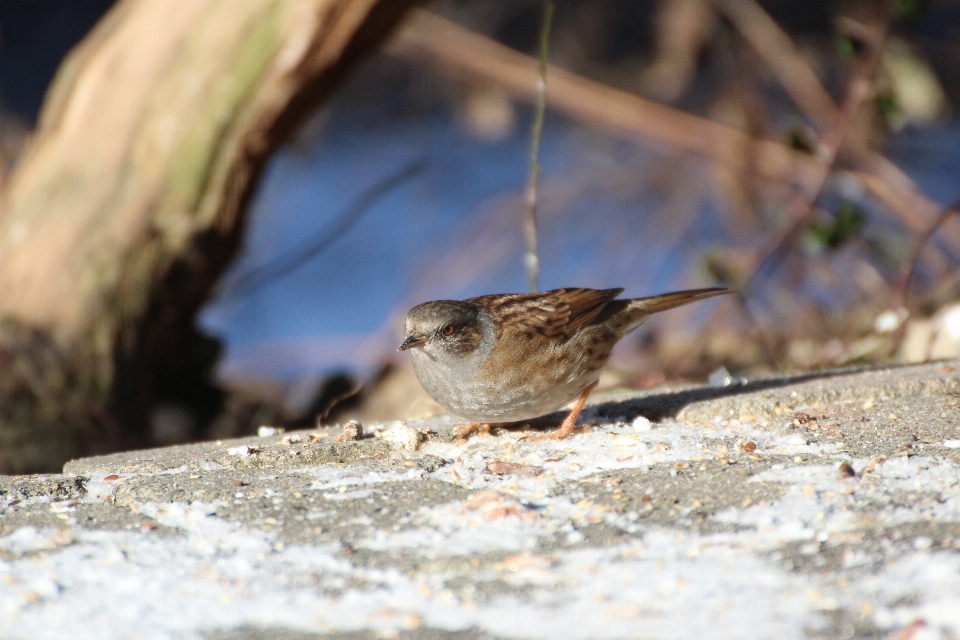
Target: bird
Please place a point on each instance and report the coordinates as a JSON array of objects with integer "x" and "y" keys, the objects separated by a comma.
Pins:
[{"x": 509, "y": 357}]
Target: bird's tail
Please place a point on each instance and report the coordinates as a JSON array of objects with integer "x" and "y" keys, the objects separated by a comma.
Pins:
[
  {"x": 655, "y": 304},
  {"x": 635, "y": 312}
]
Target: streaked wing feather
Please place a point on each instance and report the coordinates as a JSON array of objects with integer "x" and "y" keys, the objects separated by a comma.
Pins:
[{"x": 550, "y": 314}]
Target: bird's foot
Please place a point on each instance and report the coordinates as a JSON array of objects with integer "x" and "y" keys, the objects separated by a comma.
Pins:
[{"x": 467, "y": 429}]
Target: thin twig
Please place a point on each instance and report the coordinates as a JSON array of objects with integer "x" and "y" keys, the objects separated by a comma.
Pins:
[
  {"x": 858, "y": 89},
  {"x": 903, "y": 288},
  {"x": 281, "y": 266},
  {"x": 532, "y": 257},
  {"x": 775, "y": 47},
  {"x": 468, "y": 53}
]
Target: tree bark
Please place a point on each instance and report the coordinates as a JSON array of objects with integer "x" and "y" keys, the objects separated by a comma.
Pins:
[{"x": 130, "y": 202}]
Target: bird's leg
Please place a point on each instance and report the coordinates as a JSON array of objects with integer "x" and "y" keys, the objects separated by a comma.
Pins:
[
  {"x": 566, "y": 427},
  {"x": 482, "y": 427}
]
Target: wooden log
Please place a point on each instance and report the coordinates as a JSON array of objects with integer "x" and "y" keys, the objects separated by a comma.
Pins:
[{"x": 130, "y": 201}]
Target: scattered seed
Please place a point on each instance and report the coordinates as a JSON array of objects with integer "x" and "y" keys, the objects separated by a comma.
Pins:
[
  {"x": 846, "y": 471},
  {"x": 749, "y": 447},
  {"x": 645, "y": 499},
  {"x": 501, "y": 467},
  {"x": 111, "y": 477}
]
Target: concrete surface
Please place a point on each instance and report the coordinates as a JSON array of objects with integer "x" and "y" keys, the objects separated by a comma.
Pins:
[{"x": 730, "y": 515}]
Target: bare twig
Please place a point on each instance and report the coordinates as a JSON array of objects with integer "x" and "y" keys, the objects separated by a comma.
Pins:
[
  {"x": 532, "y": 257},
  {"x": 777, "y": 50},
  {"x": 910, "y": 266},
  {"x": 468, "y": 53},
  {"x": 281, "y": 266},
  {"x": 858, "y": 89}
]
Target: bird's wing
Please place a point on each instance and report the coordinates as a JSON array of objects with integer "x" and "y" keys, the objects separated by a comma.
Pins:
[{"x": 550, "y": 314}]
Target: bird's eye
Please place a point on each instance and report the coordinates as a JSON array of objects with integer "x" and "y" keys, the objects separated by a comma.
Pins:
[{"x": 448, "y": 330}]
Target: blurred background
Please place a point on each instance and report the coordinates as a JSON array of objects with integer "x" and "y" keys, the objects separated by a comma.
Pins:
[{"x": 408, "y": 185}]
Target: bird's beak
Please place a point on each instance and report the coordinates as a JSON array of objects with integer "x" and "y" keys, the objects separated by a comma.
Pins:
[{"x": 412, "y": 340}]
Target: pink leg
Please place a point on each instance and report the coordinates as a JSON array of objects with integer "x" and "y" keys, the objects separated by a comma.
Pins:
[{"x": 566, "y": 427}]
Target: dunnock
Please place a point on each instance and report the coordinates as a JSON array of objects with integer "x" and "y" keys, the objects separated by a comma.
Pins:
[{"x": 510, "y": 357}]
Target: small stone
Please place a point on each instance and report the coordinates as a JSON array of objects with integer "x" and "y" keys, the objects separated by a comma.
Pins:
[
  {"x": 243, "y": 451},
  {"x": 720, "y": 378},
  {"x": 266, "y": 431},
  {"x": 749, "y": 447},
  {"x": 890, "y": 320},
  {"x": 353, "y": 430},
  {"x": 922, "y": 543},
  {"x": 431, "y": 463},
  {"x": 401, "y": 435},
  {"x": 641, "y": 424}
]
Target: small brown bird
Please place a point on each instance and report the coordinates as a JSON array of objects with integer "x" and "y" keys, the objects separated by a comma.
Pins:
[{"x": 509, "y": 357}]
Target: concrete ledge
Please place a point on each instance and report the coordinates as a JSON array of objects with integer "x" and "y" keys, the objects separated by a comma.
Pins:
[{"x": 824, "y": 505}]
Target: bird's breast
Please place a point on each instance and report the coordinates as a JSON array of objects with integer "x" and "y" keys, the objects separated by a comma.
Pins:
[{"x": 518, "y": 383}]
